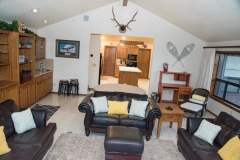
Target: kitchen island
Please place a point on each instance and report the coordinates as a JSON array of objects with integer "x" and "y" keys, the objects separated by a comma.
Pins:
[{"x": 128, "y": 75}]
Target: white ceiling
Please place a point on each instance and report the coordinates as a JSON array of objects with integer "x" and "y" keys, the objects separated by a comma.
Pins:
[{"x": 210, "y": 20}]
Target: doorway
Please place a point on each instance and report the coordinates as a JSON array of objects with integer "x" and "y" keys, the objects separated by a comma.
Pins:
[{"x": 115, "y": 54}]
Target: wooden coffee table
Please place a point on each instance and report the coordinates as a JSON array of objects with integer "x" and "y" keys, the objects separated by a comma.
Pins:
[{"x": 175, "y": 115}]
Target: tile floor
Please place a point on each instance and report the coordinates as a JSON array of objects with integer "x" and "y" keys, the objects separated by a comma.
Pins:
[{"x": 69, "y": 119}]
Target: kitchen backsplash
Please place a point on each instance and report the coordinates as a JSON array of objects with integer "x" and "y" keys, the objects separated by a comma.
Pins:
[{"x": 46, "y": 64}]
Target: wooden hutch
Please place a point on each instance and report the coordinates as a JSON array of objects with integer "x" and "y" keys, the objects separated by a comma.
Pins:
[{"x": 181, "y": 92}]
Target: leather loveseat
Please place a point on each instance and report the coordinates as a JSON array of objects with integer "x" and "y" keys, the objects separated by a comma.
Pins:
[
  {"x": 30, "y": 145},
  {"x": 195, "y": 148},
  {"x": 100, "y": 121}
]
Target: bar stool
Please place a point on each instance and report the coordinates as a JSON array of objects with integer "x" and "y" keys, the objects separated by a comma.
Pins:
[
  {"x": 63, "y": 87},
  {"x": 73, "y": 86}
]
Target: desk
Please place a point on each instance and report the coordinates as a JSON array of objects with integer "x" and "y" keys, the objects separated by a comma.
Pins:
[
  {"x": 175, "y": 115},
  {"x": 180, "y": 91},
  {"x": 128, "y": 75}
]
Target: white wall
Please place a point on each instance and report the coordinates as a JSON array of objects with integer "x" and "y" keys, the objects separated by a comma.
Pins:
[
  {"x": 213, "y": 105},
  {"x": 146, "y": 25}
]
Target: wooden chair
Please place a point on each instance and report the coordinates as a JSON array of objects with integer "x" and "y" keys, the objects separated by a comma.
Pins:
[{"x": 197, "y": 102}]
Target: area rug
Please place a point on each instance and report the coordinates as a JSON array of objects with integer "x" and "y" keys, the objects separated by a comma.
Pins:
[
  {"x": 71, "y": 146},
  {"x": 50, "y": 109}
]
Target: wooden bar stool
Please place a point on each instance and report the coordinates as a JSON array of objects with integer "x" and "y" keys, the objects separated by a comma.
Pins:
[
  {"x": 63, "y": 87},
  {"x": 73, "y": 87}
]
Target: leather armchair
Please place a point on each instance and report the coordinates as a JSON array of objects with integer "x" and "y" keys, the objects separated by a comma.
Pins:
[
  {"x": 195, "y": 148},
  {"x": 100, "y": 121}
]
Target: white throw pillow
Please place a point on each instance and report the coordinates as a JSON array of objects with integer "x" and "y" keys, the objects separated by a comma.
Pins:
[
  {"x": 100, "y": 104},
  {"x": 23, "y": 121},
  {"x": 138, "y": 108},
  {"x": 207, "y": 131}
]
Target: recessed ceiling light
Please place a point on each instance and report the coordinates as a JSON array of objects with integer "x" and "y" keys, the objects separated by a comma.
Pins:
[
  {"x": 35, "y": 10},
  {"x": 45, "y": 21},
  {"x": 102, "y": 37}
]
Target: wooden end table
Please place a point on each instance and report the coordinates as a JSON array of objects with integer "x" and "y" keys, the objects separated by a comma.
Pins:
[{"x": 175, "y": 115}]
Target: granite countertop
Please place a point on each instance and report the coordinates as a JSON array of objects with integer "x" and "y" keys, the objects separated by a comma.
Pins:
[
  {"x": 39, "y": 73},
  {"x": 129, "y": 69}
]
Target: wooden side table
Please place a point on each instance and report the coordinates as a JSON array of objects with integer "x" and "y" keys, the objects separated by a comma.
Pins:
[{"x": 175, "y": 115}]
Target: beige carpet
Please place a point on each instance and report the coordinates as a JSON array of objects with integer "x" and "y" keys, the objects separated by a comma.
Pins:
[{"x": 72, "y": 146}]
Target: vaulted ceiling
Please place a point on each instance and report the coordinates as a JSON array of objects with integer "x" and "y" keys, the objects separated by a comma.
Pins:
[{"x": 210, "y": 20}]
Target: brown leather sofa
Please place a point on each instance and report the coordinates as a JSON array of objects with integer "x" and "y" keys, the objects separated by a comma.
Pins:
[
  {"x": 32, "y": 144},
  {"x": 195, "y": 148},
  {"x": 100, "y": 121}
]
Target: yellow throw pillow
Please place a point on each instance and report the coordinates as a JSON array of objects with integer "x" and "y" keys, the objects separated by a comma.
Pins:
[
  {"x": 197, "y": 97},
  {"x": 3, "y": 144},
  {"x": 116, "y": 107},
  {"x": 231, "y": 150}
]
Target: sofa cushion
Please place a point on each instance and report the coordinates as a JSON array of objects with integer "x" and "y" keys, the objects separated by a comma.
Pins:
[
  {"x": 132, "y": 121},
  {"x": 206, "y": 155},
  {"x": 116, "y": 107},
  {"x": 37, "y": 136},
  {"x": 192, "y": 143},
  {"x": 105, "y": 119},
  {"x": 207, "y": 131},
  {"x": 230, "y": 127},
  {"x": 231, "y": 150},
  {"x": 23, "y": 121},
  {"x": 23, "y": 151},
  {"x": 100, "y": 104},
  {"x": 6, "y": 109},
  {"x": 3, "y": 143}
]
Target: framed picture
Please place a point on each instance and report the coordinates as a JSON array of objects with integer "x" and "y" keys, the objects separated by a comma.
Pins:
[{"x": 67, "y": 48}]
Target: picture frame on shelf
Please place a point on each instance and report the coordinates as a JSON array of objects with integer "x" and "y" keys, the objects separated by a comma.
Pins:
[{"x": 67, "y": 48}]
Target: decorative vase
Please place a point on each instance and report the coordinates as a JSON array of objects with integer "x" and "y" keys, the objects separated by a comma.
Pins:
[{"x": 165, "y": 67}]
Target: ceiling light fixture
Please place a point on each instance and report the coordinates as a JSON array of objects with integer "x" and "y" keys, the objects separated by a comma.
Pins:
[
  {"x": 35, "y": 10},
  {"x": 45, "y": 21}
]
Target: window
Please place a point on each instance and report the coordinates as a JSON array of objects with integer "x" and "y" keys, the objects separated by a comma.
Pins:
[{"x": 227, "y": 78}]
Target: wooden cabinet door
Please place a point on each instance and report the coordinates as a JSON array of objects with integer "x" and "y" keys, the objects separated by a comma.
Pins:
[
  {"x": 117, "y": 71},
  {"x": 38, "y": 90},
  {"x": 109, "y": 61},
  {"x": 132, "y": 50},
  {"x": 42, "y": 48},
  {"x": 13, "y": 93},
  {"x": 23, "y": 96},
  {"x": 2, "y": 96},
  {"x": 31, "y": 93},
  {"x": 144, "y": 62},
  {"x": 121, "y": 52}
]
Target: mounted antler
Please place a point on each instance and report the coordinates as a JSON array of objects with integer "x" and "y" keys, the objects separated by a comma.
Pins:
[{"x": 123, "y": 27}]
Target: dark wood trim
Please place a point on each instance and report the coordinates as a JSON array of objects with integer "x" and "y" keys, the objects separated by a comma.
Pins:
[
  {"x": 225, "y": 103},
  {"x": 222, "y": 47},
  {"x": 228, "y": 52}
]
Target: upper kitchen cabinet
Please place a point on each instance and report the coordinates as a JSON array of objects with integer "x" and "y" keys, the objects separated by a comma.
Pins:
[
  {"x": 132, "y": 50},
  {"x": 40, "y": 46},
  {"x": 122, "y": 52}
]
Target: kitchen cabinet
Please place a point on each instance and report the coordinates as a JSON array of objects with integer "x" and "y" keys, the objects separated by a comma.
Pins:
[
  {"x": 43, "y": 85},
  {"x": 27, "y": 94},
  {"x": 121, "y": 52},
  {"x": 9, "y": 90}
]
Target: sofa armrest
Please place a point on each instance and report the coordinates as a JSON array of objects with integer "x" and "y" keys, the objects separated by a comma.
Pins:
[
  {"x": 154, "y": 112},
  {"x": 86, "y": 106},
  {"x": 40, "y": 117},
  {"x": 193, "y": 123}
]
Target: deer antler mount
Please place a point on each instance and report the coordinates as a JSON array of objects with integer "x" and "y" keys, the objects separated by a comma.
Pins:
[{"x": 123, "y": 27}]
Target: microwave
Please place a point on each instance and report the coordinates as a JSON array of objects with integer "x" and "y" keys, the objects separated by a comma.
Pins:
[{"x": 132, "y": 57}]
